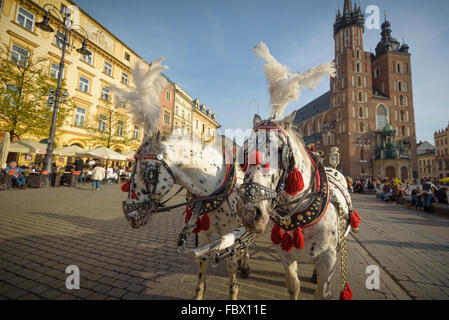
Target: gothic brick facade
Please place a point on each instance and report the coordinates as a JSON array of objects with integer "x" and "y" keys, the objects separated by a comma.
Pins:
[{"x": 369, "y": 92}]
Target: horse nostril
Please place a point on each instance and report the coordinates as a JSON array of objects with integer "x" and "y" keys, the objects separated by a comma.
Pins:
[{"x": 258, "y": 214}]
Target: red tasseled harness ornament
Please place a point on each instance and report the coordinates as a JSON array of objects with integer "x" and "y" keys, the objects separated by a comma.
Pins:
[
  {"x": 202, "y": 224},
  {"x": 286, "y": 240}
]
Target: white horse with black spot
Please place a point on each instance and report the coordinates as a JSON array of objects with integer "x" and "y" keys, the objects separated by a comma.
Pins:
[
  {"x": 287, "y": 188},
  {"x": 207, "y": 172}
]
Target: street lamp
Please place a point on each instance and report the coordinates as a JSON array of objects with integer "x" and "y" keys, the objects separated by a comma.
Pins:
[{"x": 62, "y": 19}]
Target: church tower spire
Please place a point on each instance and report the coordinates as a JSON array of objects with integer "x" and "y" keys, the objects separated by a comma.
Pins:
[{"x": 347, "y": 8}]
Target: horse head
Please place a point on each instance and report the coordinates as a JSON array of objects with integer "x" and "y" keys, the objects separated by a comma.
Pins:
[
  {"x": 151, "y": 180},
  {"x": 271, "y": 174}
]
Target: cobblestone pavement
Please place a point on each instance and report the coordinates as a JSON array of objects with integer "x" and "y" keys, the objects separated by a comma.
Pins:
[{"x": 44, "y": 231}]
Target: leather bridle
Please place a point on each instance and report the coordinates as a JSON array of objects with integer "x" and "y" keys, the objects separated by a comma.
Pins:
[{"x": 254, "y": 192}]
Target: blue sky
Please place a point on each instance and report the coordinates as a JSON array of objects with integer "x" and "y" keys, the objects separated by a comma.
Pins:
[{"x": 208, "y": 46}]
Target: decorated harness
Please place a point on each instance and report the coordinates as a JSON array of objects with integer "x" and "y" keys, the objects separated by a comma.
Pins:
[{"x": 307, "y": 210}]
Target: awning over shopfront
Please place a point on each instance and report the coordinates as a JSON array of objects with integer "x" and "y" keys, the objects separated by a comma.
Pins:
[
  {"x": 28, "y": 146},
  {"x": 102, "y": 153},
  {"x": 69, "y": 151}
]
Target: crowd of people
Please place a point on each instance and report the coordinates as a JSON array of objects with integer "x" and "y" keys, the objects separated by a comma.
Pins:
[
  {"x": 90, "y": 169},
  {"x": 420, "y": 194}
]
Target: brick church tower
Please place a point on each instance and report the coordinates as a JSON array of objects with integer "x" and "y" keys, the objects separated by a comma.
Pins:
[{"x": 371, "y": 93}]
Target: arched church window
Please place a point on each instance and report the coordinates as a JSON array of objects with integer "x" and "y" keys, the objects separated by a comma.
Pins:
[{"x": 381, "y": 117}]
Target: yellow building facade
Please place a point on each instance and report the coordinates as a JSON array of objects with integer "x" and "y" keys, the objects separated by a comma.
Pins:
[
  {"x": 204, "y": 124},
  {"x": 86, "y": 77},
  {"x": 182, "y": 120}
]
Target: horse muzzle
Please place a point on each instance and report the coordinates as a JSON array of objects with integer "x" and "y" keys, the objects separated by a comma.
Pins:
[
  {"x": 254, "y": 215},
  {"x": 138, "y": 214}
]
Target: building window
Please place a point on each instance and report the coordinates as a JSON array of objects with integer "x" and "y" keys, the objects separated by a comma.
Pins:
[
  {"x": 381, "y": 117},
  {"x": 167, "y": 117},
  {"x": 127, "y": 56},
  {"x": 358, "y": 67},
  {"x": 196, "y": 124},
  {"x": 403, "y": 130},
  {"x": 136, "y": 132},
  {"x": 362, "y": 127},
  {"x": 120, "y": 127},
  {"x": 54, "y": 72},
  {"x": 80, "y": 117},
  {"x": 360, "y": 97},
  {"x": 359, "y": 81},
  {"x": 88, "y": 58},
  {"x": 102, "y": 123},
  {"x": 19, "y": 55},
  {"x": 84, "y": 85},
  {"x": 105, "y": 94},
  {"x": 358, "y": 51},
  {"x": 376, "y": 73},
  {"x": 25, "y": 19},
  {"x": 347, "y": 38},
  {"x": 361, "y": 112},
  {"x": 108, "y": 68},
  {"x": 168, "y": 96},
  {"x": 125, "y": 78}
]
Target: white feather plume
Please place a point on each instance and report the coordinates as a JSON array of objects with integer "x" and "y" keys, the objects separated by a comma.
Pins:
[
  {"x": 286, "y": 86},
  {"x": 144, "y": 100}
]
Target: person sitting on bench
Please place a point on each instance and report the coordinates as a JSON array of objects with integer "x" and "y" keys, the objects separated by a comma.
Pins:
[{"x": 17, "y": 174}]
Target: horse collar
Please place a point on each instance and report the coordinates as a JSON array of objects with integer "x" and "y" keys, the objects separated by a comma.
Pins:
[
  {"x": 219, "y": 195},
  {"x": 314, "y": 211}
]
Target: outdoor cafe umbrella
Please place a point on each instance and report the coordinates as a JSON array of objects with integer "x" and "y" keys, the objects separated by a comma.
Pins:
[
  {"x": 102, "y": 153},
  {"x": 68, "y": 151},
  {"x": 28, "y": 146},
  {"x": 4, "y": 150},
  {"x": 129, "y": 155}
]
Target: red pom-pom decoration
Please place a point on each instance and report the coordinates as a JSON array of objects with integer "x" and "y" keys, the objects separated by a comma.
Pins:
[
  {"x": 287, "y": 243},
  {"x": 346, "y": 294},
  {"x": 355, "y": 219},
  {"x": 205, "y": 222},
  {"x": 295, "y": 182},
  {"x": 125, "y": 186},
  {"x": 276, "y": 234},
  {"x": 298, "y": 239},
  {"x": 255, "y": 159},
  {"x": 133, "y": 195}
]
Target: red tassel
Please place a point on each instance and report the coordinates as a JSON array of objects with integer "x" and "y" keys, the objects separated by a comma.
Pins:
[
  {"x": 276, "y": 234},
  {"x": 298, "y": 238},
  {"x": 295, "y": 182},
  {"x": 287, "y": 243},
  {"x": 346, "y": 294},
  {"x": 125, "y": 186},
  {"x": 355, "y": 219},
  {"x": 205, "y": 222},
  {"x": 189, "y": 213},
  {"x": 266, "y": 167},
  {"x": 133, "y": 195},
  {"x": 245, "y": 167},
  {"x": 255, "y": 158}
]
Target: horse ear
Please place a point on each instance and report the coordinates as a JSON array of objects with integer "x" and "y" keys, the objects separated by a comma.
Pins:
[
  {"x": 256, "y": 120},
  {"x": 288, "y": 121}
]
